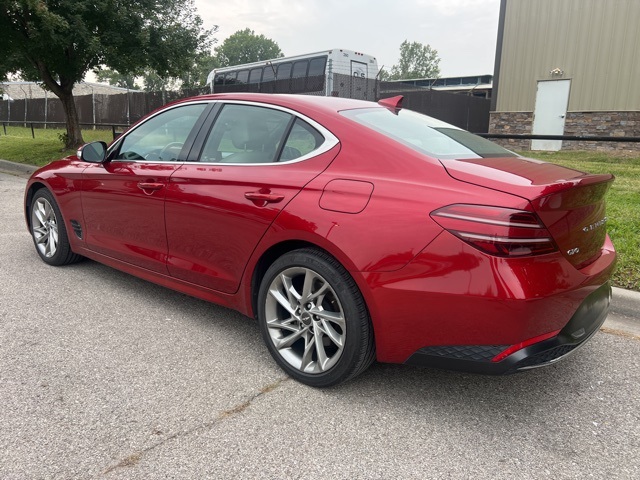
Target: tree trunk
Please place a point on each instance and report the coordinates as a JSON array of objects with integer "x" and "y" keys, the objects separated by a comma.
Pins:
[
  {"x": 74, "y": 134},
  {"x": 63, "y": 89}
]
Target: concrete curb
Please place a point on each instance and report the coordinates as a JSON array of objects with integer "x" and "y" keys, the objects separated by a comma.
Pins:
[
  {"x": 17, "y": 168},
  {"x": 626, "y": 302}
]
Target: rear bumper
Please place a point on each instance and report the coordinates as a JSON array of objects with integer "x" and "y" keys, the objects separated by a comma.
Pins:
[{"x": 585, "y": 322}]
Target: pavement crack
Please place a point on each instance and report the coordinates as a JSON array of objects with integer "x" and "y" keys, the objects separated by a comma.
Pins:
[
  {"x": 135, "y": 457},
  {"x": 620, "y": 333}
]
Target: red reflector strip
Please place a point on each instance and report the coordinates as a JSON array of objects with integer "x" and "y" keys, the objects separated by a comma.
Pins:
[{"x": 521, "y": 345}]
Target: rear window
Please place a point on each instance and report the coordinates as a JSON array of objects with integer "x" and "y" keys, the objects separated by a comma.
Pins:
[{"x": 426, "y": 134}]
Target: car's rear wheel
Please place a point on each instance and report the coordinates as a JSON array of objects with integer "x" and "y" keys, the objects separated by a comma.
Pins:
[
  {"x": 314, "y": 320},
  {"x": 48, "y": 230}
]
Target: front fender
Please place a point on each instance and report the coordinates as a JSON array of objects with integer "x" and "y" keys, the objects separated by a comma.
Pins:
[{"x": 63, "y": 179}]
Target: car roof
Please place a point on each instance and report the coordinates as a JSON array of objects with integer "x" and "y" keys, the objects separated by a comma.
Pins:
[{"x": 326, "y": 104}]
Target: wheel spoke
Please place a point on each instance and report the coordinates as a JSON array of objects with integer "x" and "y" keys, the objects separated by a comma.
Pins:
[
  {"x": 307, "y": 294},
  {"x": 284, "y": 302},
  {"x": 334, "y": 317},
  {"x": 309, "y": 277},
  {"x": 41, "y": 234},
  {"x": 47, "y": 211},
  {"x": 322, "y": 355},
  {"x": 289, "y": 340},
  {"x": 284, "y": 324},
  {"x": 331, "y": 332},
  {"x": 53, "y": 232},
  {"x": 39, "y": 213},
  {"x": 307, "y": 356},
  {"x": 48, "y": 248},
  {"x": 292, "y": 294}
]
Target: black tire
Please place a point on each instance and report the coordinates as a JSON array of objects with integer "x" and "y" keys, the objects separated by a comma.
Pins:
[
  {"x": 330, "y": 309},
  {"x": 48, "y": 230}
]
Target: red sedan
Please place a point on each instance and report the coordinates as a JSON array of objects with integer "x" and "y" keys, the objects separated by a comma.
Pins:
[{"x": 351, "y": 230}]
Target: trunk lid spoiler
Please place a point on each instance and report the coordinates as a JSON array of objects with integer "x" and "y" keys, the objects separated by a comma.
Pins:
[{"x": 569, "y": 202}]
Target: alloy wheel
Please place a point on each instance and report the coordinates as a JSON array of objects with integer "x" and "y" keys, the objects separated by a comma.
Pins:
[
  {"x": 305, "y": 320},
  {"x": 44, "y": 225}
]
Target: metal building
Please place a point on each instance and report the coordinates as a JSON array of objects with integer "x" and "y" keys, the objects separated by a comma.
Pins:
[{"x": 567, "y": 67}]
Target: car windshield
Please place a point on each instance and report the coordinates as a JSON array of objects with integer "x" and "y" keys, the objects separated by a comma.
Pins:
[{"x": 426, "y": 134}]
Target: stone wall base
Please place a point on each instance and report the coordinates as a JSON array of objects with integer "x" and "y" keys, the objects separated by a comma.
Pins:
[
  {"x": 608, "y": 124},
  {"x": 511, "y": 123}
]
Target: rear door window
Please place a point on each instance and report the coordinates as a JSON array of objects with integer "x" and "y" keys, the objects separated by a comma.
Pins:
[
  {"x": 246, "y": 134},
  {"x": 302, "y": 140}
]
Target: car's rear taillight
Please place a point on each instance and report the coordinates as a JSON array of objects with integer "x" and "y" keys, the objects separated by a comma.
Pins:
[{"x": 499, "y": 231}]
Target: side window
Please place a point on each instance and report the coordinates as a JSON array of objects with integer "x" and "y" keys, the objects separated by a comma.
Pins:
[
  {"x": 302, "y": 139},
  {"x": 255, "y": 75},
  {"x": 269, "y": 73},
  {"x": 284, "y": 71},
  {"x": 300, "y": 69},
  {"x": 268, "y": 77},
  {"x": 315, "y": 82},
  {"x": 316, "y": 66},
  {"x": 245, "y": 134},
  {"x": 230, "y": 78},
  {"x": 299, "y": 76},
  {"x": 161, "y": 138},
  {"x": 282, "y": 78},
  {"x": 243, "y": 76}
]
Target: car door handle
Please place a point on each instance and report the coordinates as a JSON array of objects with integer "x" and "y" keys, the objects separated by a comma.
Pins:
[
  {"x": 150, "y": 185},
  {"x": 264, "y": 197}
]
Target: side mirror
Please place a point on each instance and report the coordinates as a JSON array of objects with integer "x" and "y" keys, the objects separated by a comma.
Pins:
[{"x": 94, "y": 152}]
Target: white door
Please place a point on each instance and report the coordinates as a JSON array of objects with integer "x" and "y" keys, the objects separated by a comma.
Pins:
[{"x": 552, "y": 100}]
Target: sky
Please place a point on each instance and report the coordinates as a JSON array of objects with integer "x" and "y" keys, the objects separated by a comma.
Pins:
[{"x": 462, "y": 31}]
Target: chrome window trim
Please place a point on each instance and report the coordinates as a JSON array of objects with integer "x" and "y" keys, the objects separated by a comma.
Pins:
[
  {"x": 330, "y": 139},
  {"x": 116, "y": 144}
]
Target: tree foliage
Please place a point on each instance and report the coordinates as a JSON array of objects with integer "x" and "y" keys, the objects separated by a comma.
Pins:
[
  {"x": 244, "y": 46},
  {"x": 56, "y": 42},
  {"x": 117, "y": 79},
  {"x": 416, "y": 61},
  {"x": 193, "y": 78},
  {"x": 196, "y": 76}
]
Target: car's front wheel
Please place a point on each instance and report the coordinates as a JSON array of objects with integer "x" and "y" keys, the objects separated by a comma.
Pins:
[
  {"x": 48, "y": 230},
  {"x": 314, "y": 320}
]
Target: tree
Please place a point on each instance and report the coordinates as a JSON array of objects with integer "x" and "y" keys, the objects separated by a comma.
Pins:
[
  {"x": 245, "y": 46},
  {"x": 117, "y": 79},
  {"x": 416, "y": 61},
  {"x": 57, "y": 42},
  {"x": 196, "y": 76}
]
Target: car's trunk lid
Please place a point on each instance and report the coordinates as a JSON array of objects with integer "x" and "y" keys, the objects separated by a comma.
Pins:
[{"x": 570, "y": 203}]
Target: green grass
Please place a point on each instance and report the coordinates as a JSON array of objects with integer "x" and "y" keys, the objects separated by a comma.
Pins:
[
  {"x": 623, "y": 199},
  {"x": 18, "y": 145},
  {"x": 623, "y": 205}
]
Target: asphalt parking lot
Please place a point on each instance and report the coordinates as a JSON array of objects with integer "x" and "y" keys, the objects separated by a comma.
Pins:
[{"x": 106, "y": 376}]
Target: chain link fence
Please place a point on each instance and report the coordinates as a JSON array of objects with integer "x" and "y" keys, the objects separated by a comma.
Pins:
[{"x": 123, "y": 109}]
